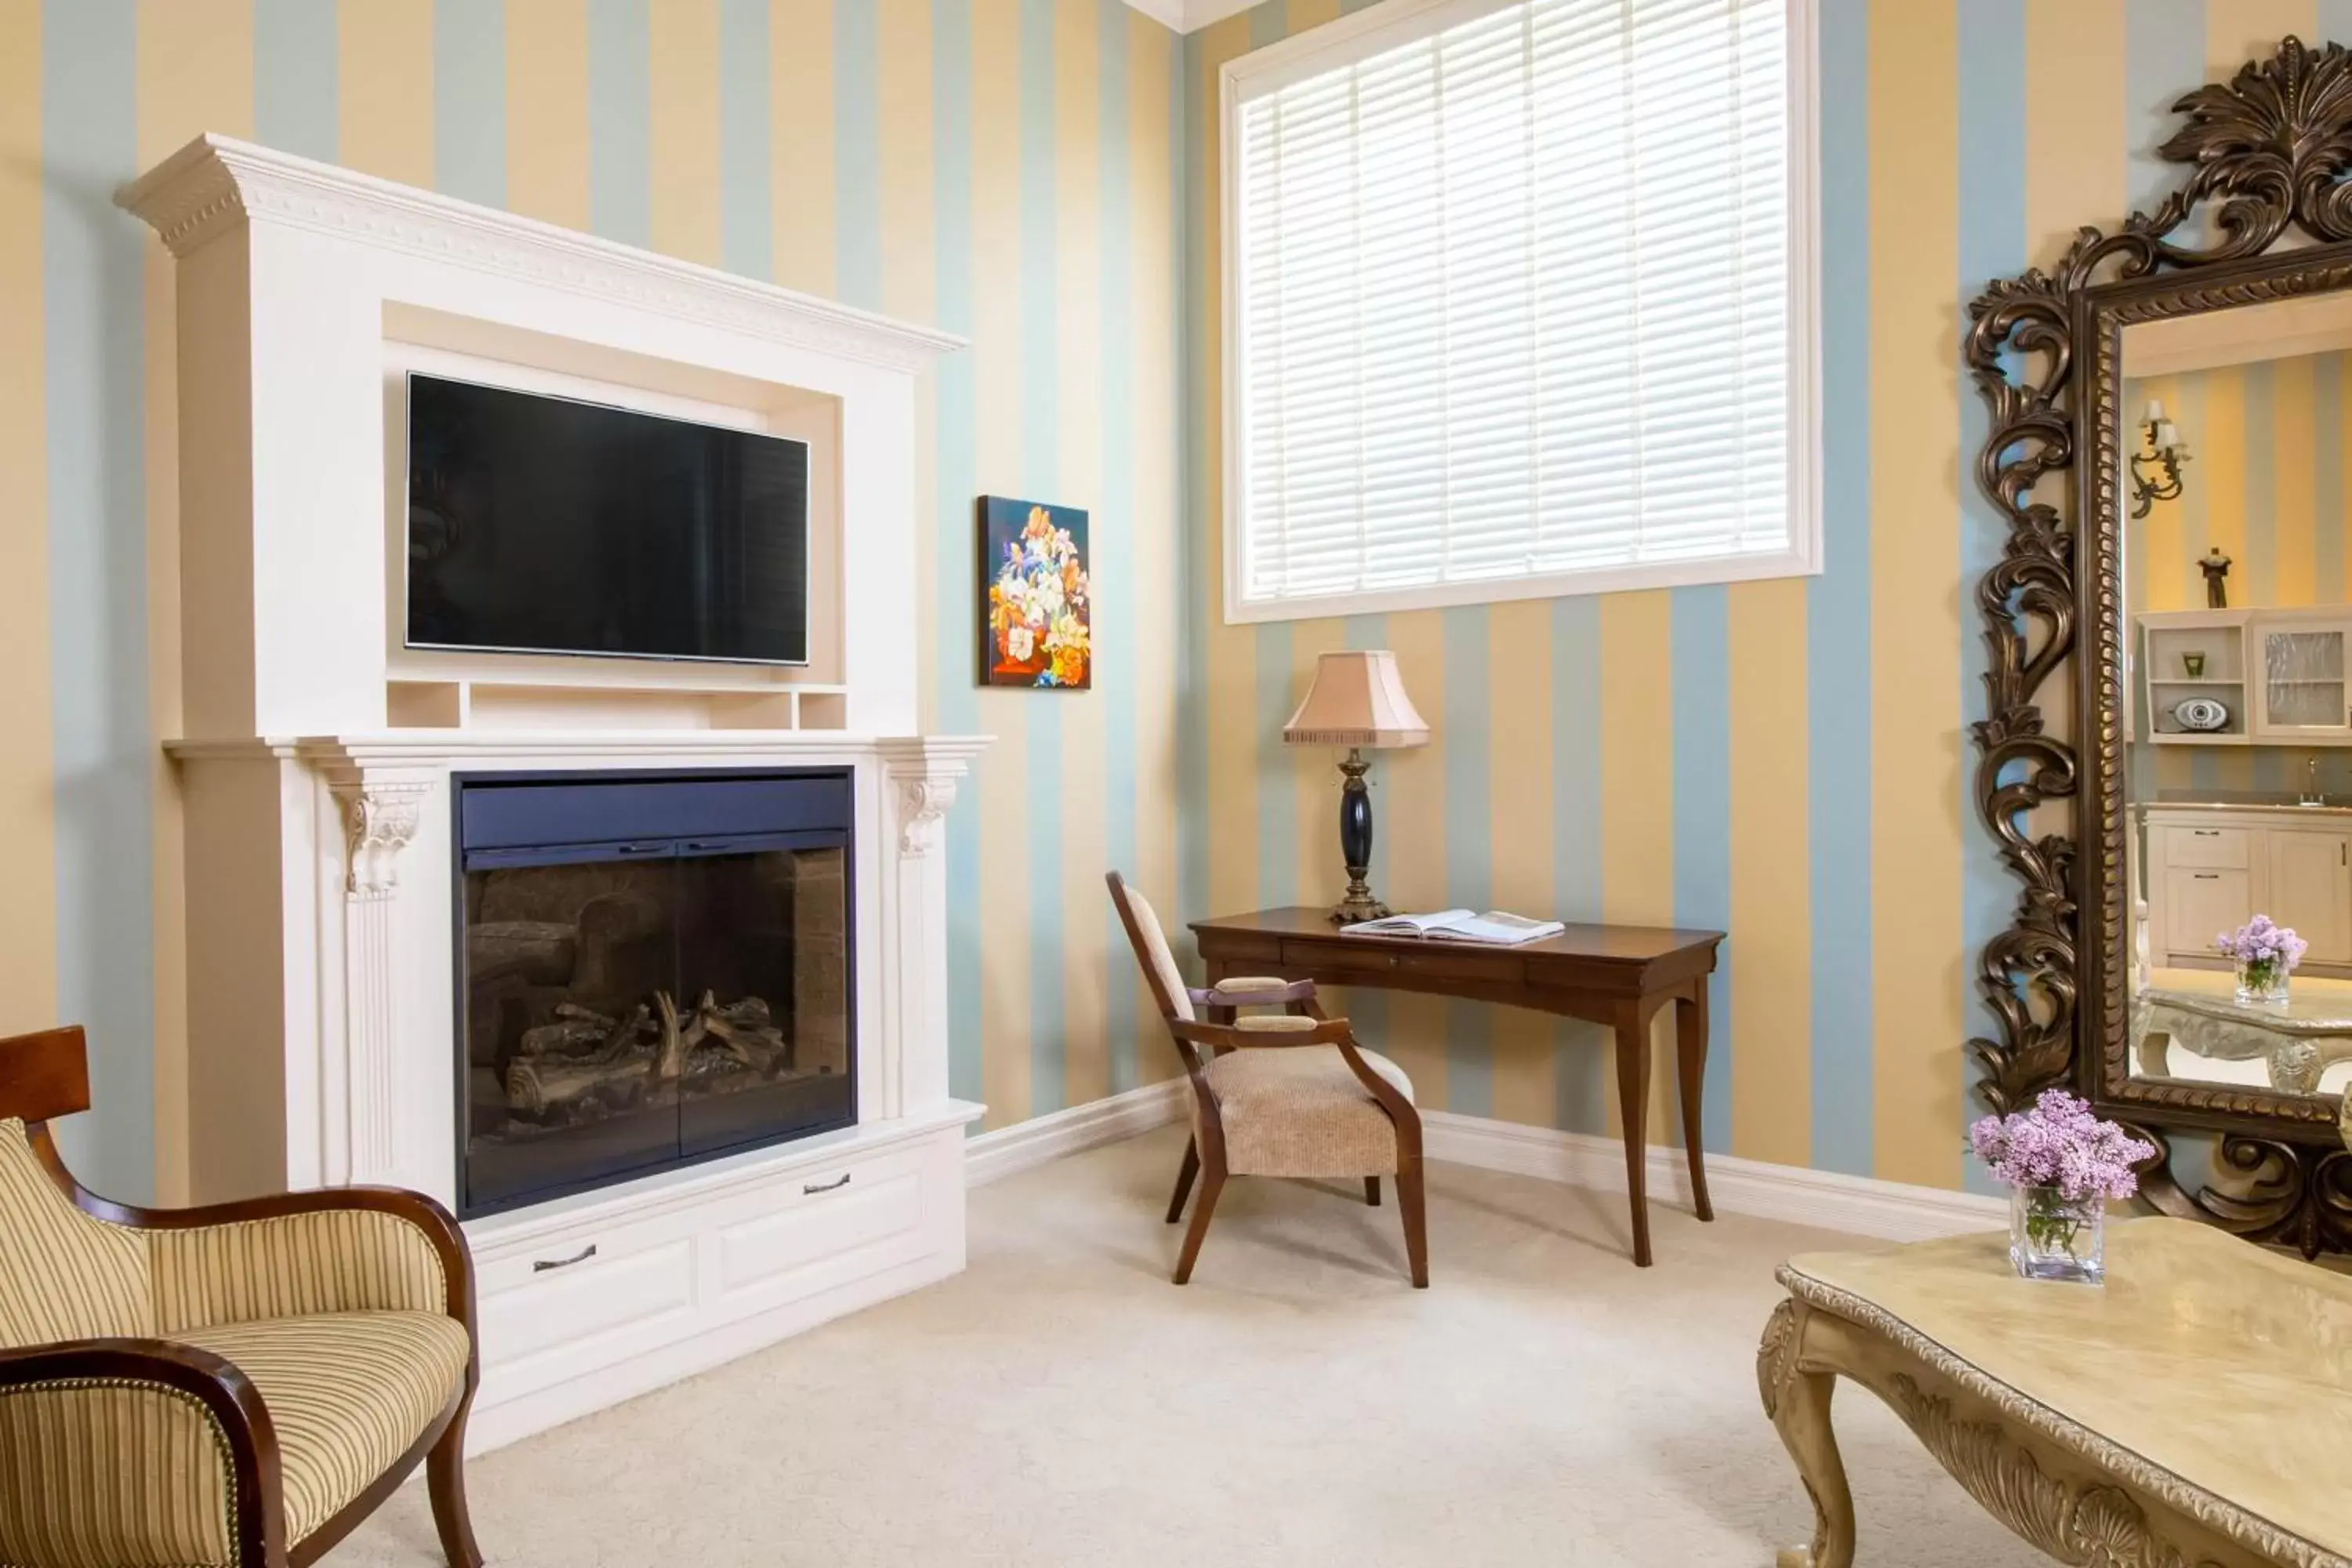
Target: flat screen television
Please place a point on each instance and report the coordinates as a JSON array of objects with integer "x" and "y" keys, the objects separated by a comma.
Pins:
[{"x": 541, "y": 524}]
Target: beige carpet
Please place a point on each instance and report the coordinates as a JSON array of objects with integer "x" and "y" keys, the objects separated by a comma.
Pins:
[{"x": 1061, "y": 1404}]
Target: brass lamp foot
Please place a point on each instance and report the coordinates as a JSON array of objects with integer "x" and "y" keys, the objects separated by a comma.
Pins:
[{"x": 1359, "y": 905}]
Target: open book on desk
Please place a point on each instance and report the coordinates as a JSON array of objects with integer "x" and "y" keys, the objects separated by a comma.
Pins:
[{"x": 1494, "y": 927}]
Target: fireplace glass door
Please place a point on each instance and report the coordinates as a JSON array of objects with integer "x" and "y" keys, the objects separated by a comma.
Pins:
[{"x": 637, "y": 1004}]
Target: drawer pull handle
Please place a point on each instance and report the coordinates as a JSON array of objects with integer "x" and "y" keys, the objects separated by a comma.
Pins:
[
  {"x": 2207, "y": 876},
  {"x": 2205, "y": 832},
  {"x": 811, "y": 1189},
  {"x": 542, "y": 1265}
]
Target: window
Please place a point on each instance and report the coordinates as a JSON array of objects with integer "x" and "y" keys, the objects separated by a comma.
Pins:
[{"x": 1519, "y": 301}]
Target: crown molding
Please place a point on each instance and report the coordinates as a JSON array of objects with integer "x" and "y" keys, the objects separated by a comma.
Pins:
[
  {"x": 1190, "y": 16},
  {"x": 216, "y": 184}
]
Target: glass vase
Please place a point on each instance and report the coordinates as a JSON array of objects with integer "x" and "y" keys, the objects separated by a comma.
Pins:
[
  {"x": 2262, "y": 981},
  {"x": 2053, "y": 1236}
]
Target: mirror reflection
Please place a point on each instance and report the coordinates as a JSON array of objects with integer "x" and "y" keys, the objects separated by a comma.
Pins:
[{"x": 2237, "y": 533}]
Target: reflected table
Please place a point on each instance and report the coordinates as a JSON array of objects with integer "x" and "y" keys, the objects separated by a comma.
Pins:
[
  {"x": 2190, "y": 1411},
  {"x": 2290, "y": 1044}
]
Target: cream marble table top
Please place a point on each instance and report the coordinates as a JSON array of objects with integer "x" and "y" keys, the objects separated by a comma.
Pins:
[{"x": 2223, "y": 1365}]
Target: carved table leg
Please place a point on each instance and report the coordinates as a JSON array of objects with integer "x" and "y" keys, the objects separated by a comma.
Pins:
[{"x": 1798, "y": 1402}]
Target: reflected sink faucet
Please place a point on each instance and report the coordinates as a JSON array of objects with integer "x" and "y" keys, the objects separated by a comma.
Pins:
[{"x": 2311, "y": 793}]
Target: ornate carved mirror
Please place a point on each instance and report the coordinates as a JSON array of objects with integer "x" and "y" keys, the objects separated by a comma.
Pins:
[{"x": 2184, "y": 385}]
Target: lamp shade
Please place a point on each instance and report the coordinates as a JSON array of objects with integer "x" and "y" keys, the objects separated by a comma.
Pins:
[{"x": 1357, "y": 699}]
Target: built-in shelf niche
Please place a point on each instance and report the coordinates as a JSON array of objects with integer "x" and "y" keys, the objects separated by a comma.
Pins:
[{"x": 616, "y": 701}]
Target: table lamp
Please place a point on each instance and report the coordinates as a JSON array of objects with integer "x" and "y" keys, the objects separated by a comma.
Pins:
[{"x": 1357, "y": 700}]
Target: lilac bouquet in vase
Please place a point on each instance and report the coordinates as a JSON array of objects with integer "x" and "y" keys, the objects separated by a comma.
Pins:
[
  {"x": 2062, "y": 1166},
  {"x": 2266, "y": 953}
]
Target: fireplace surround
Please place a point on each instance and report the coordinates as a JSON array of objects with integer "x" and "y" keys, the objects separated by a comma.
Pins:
[{"x": 331, "y": 782}]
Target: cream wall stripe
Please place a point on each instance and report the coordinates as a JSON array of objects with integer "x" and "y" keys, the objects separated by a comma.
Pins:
[
  {"x": 2295, "y": 535},
  {"x": 547, "y": 110},
  {"x": 1769, "y": 894},
  {"x": 1468, "y": 842},
  {"x": 384, "y": 87},
  {"x": 28, "y": 922},
  {"x": 102, "y": 746},
  {"x": 683, "y": 63},
  {"x": 1637, "y": 777},
  {"x": 1916, "y": 842},
  {"x": 1411, "y": 809},
  {"x": 800, "y": 34}
]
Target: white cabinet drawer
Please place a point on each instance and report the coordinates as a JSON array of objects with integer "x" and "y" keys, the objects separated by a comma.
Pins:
[
  {"x": 2218, "y": 846},
  {"x": 2199, "y": 905}
]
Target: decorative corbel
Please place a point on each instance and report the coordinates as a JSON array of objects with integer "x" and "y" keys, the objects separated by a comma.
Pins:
[
  {"x": 379, "y": 819},
  {"x": 923, "y": 804}
]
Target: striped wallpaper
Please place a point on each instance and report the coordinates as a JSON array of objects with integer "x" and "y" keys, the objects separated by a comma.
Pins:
[{"x": 1782, "y": 759}]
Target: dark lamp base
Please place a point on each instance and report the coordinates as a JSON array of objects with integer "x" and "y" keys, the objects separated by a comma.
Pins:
[{"x": 1356, "y": 846}]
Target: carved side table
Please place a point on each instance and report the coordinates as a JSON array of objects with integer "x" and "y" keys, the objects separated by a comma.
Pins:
[{"x": 2194, "y": 1411}]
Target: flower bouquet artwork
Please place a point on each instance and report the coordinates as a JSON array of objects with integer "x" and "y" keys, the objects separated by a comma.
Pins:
[
  {"x": 2265, "y": 954},
  {"x": 2062, "y": 1166},
  {"x": 1037, "y": 616}
]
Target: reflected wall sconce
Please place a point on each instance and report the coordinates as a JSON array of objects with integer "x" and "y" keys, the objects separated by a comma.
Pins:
[{"x": 2156, "y": 467}]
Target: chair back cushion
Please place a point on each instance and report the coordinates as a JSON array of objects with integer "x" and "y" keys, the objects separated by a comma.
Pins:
[
  {"x": 1155, "y": 954},
  {"x": 69, "y": 1275}
]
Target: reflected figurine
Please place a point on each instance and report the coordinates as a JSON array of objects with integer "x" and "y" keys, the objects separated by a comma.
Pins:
[{"x": 2216, "y": 567}]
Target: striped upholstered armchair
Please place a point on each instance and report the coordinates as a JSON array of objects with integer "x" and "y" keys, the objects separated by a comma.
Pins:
[{"x": 226, "y": 1387}]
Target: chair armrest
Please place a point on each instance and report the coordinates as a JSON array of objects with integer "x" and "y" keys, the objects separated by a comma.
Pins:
[
  {"x": 1248, "y": 991},
  {"x": 335, "y": 1249},
  {"x": 106, "y": 1421}
]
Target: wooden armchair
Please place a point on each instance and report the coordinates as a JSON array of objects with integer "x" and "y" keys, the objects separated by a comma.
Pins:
[
  {"x": 1281, "y": 1094},
  {"x": 235, "y": 1386}
]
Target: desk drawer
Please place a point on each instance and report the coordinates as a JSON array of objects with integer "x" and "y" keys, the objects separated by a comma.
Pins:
[
  {"x": 2218, "y": 847},
  {"x": 1339, "y": 954},
  {"x": 1445, "y": 962}
]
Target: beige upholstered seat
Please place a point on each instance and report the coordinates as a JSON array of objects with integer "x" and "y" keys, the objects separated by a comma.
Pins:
[
  {"x": 1280, "y": 1094},
  {"x": 226, "y": 1388},
  {"x": 1302, "y": 1113}
]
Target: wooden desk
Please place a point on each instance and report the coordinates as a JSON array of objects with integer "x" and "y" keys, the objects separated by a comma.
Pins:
[{"x": 1615, "y": 975}]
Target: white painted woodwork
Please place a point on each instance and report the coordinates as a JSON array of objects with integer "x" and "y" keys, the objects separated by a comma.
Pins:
[
  {"x": 316, "y": 767},
  {"x": 2212, "y": 871}
]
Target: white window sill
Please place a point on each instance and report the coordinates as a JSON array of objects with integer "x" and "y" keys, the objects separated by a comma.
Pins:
[{"x": 1505, "y": 590}]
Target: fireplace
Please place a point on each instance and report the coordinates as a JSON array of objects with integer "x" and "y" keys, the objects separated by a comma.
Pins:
[{"x": 652, "y": 969}]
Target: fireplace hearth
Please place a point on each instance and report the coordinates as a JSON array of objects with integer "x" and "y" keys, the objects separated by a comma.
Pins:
[{"x": 653, "y": 969}]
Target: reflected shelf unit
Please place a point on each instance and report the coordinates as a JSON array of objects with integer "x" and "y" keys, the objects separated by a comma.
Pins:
[{"x": 2168, "y": 641}]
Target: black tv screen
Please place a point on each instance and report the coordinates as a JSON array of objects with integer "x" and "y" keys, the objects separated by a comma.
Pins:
[{"x": 547, "y": 525}]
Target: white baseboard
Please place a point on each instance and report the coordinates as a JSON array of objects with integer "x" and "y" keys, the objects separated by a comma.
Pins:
[
  {"x": 1826, "y": 1200},
  {"x": 1858, "y": 1206},
  {"x": 1025, "y": 1145}
]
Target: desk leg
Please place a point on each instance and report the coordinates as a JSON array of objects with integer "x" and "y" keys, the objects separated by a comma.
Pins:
[
  {"x": 1690, "y": 1055},
  {"x": 1634, "y": 1103}
]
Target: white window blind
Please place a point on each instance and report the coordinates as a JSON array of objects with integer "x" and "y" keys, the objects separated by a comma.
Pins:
[{"x": 1513, "y": 307}]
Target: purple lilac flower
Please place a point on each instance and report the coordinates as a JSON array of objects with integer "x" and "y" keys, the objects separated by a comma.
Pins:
[
  {"x": 2260, "y": 942},
  {"x": 2060, "y": 1143}
]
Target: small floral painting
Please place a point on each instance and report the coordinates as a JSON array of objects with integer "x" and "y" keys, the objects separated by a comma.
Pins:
[{"x": 1037, "y": 616}]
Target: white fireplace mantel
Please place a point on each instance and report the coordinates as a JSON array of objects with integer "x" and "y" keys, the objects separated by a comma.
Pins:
[{"x": 321, "y": 857}]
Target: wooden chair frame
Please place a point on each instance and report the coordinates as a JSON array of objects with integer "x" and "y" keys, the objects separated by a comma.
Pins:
[
  {"x": 46, "y": 1076},
  {"x": 1205, "y": 1154}
]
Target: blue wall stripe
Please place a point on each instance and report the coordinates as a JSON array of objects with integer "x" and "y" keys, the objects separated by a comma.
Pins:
[
  {"x": 1837, "y": 615},
  {"x": 1041, "y": 470},
  {"x": 746, "y": 128},
  {"x": 1700, "y": 638},
  {"x": 1115, "y": 522},
  {"x": 955, "y": 468},
  {"x": 620, "y": 121},
  {"x": 857, "y": 153},
  {"x": 1580, "y": 1050},
  {"x": 94, "y": 392},
  {"x": 1467, "y": 822},
  {"x": 2164, "y": 57},
  {"x": 469, "y": 99},
  {"x": 1277, "y": 803},
  {"x": 2327, "y": 478},
  {"x": 294, "y": 75},
  {"x": 1992, "y": 244}
]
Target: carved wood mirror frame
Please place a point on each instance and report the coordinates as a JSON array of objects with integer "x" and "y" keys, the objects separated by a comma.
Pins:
[{"x": 2264, "y": 214}]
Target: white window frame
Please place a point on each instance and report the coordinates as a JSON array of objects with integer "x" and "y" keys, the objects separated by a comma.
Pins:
[{"x": 1396, "y": 23}]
